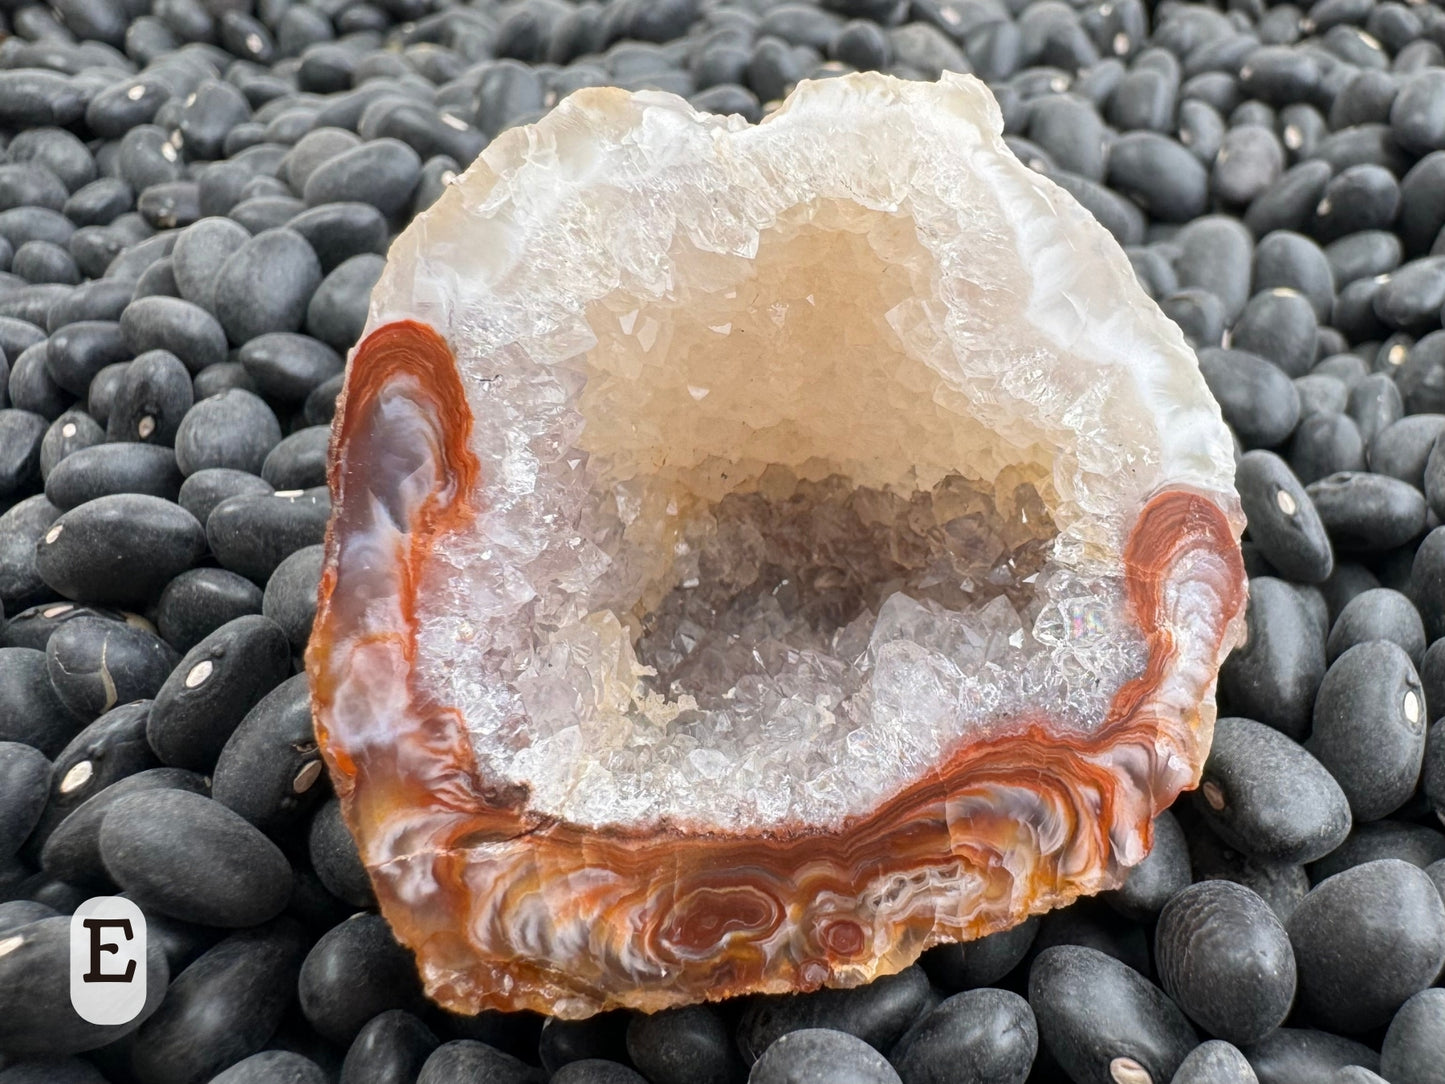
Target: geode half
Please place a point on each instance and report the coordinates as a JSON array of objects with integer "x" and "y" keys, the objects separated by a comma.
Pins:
[{"x": 760, "y": 553}]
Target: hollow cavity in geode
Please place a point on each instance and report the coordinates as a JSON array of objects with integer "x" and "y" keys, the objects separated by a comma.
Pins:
[{"x": 760, "y": 553}]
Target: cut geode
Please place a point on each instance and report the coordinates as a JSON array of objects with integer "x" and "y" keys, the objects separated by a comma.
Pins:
[{"x": 761, "y": 553}]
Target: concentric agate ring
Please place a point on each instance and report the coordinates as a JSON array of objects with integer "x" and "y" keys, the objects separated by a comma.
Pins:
[{"x": 509, "y": 905}]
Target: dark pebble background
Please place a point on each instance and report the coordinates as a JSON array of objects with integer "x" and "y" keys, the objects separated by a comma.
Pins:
[{"x": 195, "y": 200}]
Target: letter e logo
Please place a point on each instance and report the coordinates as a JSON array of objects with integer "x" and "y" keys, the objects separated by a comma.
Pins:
[{"x": 108, "y": 960}]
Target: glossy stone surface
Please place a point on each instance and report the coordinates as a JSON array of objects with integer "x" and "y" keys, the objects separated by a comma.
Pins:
[{"x": 760, "y": 553}]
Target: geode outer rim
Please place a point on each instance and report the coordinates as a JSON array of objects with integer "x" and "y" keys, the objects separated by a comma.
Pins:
[{"x": 450, "y": 876}]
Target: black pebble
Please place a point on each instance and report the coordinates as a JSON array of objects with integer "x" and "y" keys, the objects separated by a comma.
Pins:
[
  {"x": 299, "y": 461},
  {"x": 270, "y": 768},
  {"x": 37, "y": 1018},
  {"x": 289, "y": 366},
  {"x": 291, "y": 595},
  {"x": 223, "y": 1007},
  {"x": 1366, "y": 940},
  {"x": 391, "y": 1048},
  {"x": 266, "y": 285},
  {"x": 121, "y": 549},
  {"x": 109, "y": 469},
  {"x": 1091, "y": 1010},
  {"x": 1226, "y": 960},
  {"x": 192, "y": 858},
  {"x": 337, "y": 311},
  {"x": 271, "y": 1067},
  {"x": 335, "y": 859},
  {"x": 1268, "y": 797},
  {"x": 151, "y": 399},
  {"x": 354, "y": 972},
  {"x": 1215, "y": 1062},
  {"x": 210, "y": 691},
  {"x": 1374, "y": 840},
  {"x": 73, "y": 431},
  {"x": 976, "y": 1037},
  {"x": 1162, "y": 873},
  {"x": 877, "y": 1013},
  {"x": 176, "y": 325},
  {"x": 1411, "y": 1050},
  {"x": 1282, "y": 519},
  {"x": 382, "y": 173},
  {"x": 339, "y": 231},
  {"x": 1274, "y": 674},
  {"x": 20, "y": 435},
  {"x": 1257, "y": 399},
  {"x": 814, "y": 1054},
  {"x": 1375, "y": 404},
  {"x": 1280, "y": 326},
  {"x": 78, "y": 351},
  {"x": 234, "y": 429},
  {"x": 199, "y": 601},
  {"x": 96, "y": 663},
  {"x": 201, "y": 251},
  {"x": 970, "y": 964},
  {"x": 24, "y": 786},
  {"x": 1303, "y": 1055},
  {"x": 21, "y": 526},
  {"x": 1368, "y": 512},
  {"x": 687, "y": 1045},
  {"x": 253, "y": 534},
  {"x": 1378, "y": 614},
  {"x": 465, "y": 1061},
  {"x": 1369, "y": 727}
]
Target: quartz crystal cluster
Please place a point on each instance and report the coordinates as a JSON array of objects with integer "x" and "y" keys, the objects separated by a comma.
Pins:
[{"x": 760, "y": 553}]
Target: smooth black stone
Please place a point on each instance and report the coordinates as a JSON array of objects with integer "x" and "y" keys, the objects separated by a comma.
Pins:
[
  {"x": 37, "y": 1018},
  {"x": 1257, "y": 399},
  {"x": 354, "y": 972},
  {"x": 24, "y": 787},
  {"x": 176, "y": 325},
  {"x": 201, "y": 251},
  {"x": 170, "y": 204},
  {"x": 1368, "y": 513},
  {"x": 73, "y": 431},
  {"x": 1374, "y": 840},
  {"x": 1160, "y": 174},
  {"x": 71, "y": 851},
  {"x": 596, "y": 1071},
  {"x": 197, "y": 602},
  {"x": 1402, "y": 449},
  {"x": 1201, "y": 128},
  {"x": 1365, "y": 941},
  {"x": 1278, "y": 325},
  {"x": 1225, "y": 959},
  {"x": 1094, "y": 925},
  {"x": 146, "y": 157},
  {"x": 1154, "y": 272},
  {"x": 382, "y": 172},
  {"x": 597, "y": 1037},
  {"x": 1092, "y": 1009},
  {"x": 339, "y": 231},
  {"x": 1215, "y": 1062},
  {"x": 1325, "y": 444},
  {"x": 1427, "y": 582},
  {"x": 1417, "y": 115},
  {"x": 299, "y": 461},
  {"x": 1363, "y": 145},
  {"x": 976, "y": 1037},
  {"x": 189, "y": 857},
  {"x": 688, "y": 1045},
  {"x": 16, "y": 336},
  {"x": 1320, "y": 393},
  {"x": 33, "y": 396},
  {"x": 274, "y": 1067},
  {"x": 1369, "y": 727},
  {"x": 465, "y": 1061},
  {"x": 1072, "y": 134},
  {"x": 95, "y": 663},
  {"x": 31, "y": 303},
  {"x": 1304, "y": 1055},
  {"x": 234, "y": 429},
  {"x": 222, "y": 1008},
  {"x": 1378, "y": 614},
  {"x": 1375, "y": 404},
  {"x": 29, "y": 185},
  {"x": 1274, "y": 675},
  {"x": 266, "y": 285},
  {"x": 20, "y": 225},
  {"x": 77, "y": 352},
  {"x": 51, "y": 1071},
  {"x": 971, "y": 964},
  {"x": 1266, "y": 796},
  {"x": 21, "y": 527},
  {"x": 96, "y": 248},
  {"x": 1249, "y": 161},
  {"x": 313, "y": 150},
  {"x": 57, "y": 150},
  {"x": 1421, "y": 377},
  {"x": 122, "y": 549},
  {"x": 212, "y": 110},
  {"x": 1280, "y": 75},
  {"x": 1412, "y": 298},
  {"x": 34, "y": 97},
  {"x": 1362, "y": 197},
  {"x": 203, "y": 490},
  {"x": 1290, "y": 202},
  {"x": 335, "y": 859},
  {"x": 1354, "y": 312},
  {"x": 1422, "y": 203},
  {"x": 1282, "y": 520},
  {"x": 126, "y": 104},
  {"x": 337, "y": 311},
  {"x": 1115, "y": 213},
  {"x": 815, "y": 1054},
  {"x": 391, "y": 1048},
  {"x": 1433, "y": 480},
  {"x": 269, "y": 767},
  {"x": 98, "y": 300},
  {"x": 1411, "y": 1050},
  {"x": 151, "y": 400},
  {"x": 291, "y": 593},
  {"x": 1365, "y": 99},
  {"x": 34, "y": 627},
  {"x": 253, "y": 534},
  {"x": 1163, "y": 872},
  {"x": 110, "y": 469},
  {"x": 266, "y": 212},
  {"x": 208, "y": 694},
  {"x": 878, "y": 1013},
  {"x": 45, "y": 262},
  {"x": 1432, "y": 678}
]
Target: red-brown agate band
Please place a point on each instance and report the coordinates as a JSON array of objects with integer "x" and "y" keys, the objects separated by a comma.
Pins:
[{"x": 509, "y": 909}]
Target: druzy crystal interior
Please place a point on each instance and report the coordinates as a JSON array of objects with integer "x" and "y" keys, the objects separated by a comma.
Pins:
[{"x": 760, "y": 553}]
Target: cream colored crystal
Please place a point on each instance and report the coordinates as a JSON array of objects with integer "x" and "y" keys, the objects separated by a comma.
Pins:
[{"x": 808, "y": 451}]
